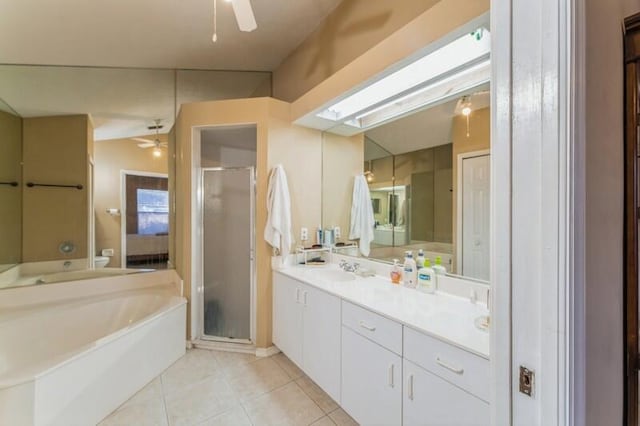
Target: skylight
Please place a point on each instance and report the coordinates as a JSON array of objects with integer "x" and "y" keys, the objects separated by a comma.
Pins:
[{"x": 445, "y": 72}]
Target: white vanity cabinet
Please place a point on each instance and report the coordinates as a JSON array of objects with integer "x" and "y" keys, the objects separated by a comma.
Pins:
[
  {"x": 444, "y": 385},
  {"x": 371, "y": 368},
  {"x": 306, "y": 327}
]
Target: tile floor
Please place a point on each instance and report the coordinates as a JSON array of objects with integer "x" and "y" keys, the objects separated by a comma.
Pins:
[{"x": 214, "y": 388}]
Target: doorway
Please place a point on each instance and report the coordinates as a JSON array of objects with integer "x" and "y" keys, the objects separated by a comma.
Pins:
[
  {"x": 145, "y": 227},
  {"x": 224, "y": 235}
]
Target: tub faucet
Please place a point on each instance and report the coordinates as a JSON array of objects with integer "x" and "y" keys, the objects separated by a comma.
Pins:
[{"x": 66, "y": 265}]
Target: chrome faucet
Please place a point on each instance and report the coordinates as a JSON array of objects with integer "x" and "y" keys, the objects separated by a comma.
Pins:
[
  {"x": 349, "y": 267},
  {"x": 66, "y": 265}
]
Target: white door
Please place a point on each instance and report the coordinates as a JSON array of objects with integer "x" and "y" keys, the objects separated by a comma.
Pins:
[
  {"x": 321, "y": 339},
  {"x": 287, "y": 317},
  {"x": 431, "y": 400},
  {"x": 475, "y": 216},
  {"x": 371, "y": 381}
]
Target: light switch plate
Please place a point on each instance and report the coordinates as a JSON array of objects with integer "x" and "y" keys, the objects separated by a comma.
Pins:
[{"x": 304, "y": 234}]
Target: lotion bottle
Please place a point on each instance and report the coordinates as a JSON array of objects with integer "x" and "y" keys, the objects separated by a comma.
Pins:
[
  {"x": 427, "y": 278},
  {"x": 438, "y": 268},
  {"x": 420, "y": 259},
  {"x": 410, "y": 274}
]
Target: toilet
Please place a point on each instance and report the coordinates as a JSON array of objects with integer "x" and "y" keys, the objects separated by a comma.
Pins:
[{"x": 100, "y": 261}]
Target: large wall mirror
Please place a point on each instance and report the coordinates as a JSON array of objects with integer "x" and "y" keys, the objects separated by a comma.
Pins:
[
  {"x": 87, "y": 160},
  {"x": 428, "y": 177}
]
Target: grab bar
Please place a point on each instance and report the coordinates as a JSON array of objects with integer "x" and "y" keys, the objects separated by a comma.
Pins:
[
  {"x": 31, "y": 185},
  {"x": 12, "y": 183}
]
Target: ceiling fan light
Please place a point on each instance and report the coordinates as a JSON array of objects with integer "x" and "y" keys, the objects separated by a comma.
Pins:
[
  {"x": 157, "y": 152},
  {"x": 466, "y": 111}
]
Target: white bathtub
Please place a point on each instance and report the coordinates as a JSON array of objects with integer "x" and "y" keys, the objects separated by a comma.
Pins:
[{"x": 72, "y": 361}]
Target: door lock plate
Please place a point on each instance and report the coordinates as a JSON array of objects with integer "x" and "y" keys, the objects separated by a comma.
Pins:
[{"x": 527, "y": 378}]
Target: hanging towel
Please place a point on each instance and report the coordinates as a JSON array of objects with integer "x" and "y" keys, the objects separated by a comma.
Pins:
[
  {"x": 277, "y": 232},
  {"x": 362, "y": 220}
]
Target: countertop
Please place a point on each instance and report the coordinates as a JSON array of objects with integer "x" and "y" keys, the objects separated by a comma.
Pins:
[{"x": 443, "y": 316}]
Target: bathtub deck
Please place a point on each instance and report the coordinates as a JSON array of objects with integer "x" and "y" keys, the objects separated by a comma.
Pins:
[{"x": 224, "y": 388}]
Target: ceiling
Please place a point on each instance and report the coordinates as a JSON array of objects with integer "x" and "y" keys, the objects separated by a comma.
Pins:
[
  {"x": 425, "y": 129},
  {"x": 154, "y": 33}
]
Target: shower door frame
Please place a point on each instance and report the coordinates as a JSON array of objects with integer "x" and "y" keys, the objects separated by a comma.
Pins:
[{"x": 252, "y": 258}]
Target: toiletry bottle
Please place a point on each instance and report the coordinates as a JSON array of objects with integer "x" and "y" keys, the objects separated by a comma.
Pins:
[
  {"x": 319, "y": 236},
  {"x": 420, "y": 259},
  {"x": 427, "y": 278},
  {"x": 410, "y": 274},
  {"x": 438, "y": 268},
  {"x": 396, "y": 272}
]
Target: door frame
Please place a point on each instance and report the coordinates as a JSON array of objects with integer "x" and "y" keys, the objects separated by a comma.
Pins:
[
  {"x": 461, "y": 157},
  {"x": 253, "y": 272},
  {"x": 537, "y": 159},
  {"x": 123, "y": 207},
  {"x": 197, "y": 311},
  {"x": 630, "y": 230}
]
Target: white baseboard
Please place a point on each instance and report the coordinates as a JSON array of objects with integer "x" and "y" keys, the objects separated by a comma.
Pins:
[{"x": 264, "y": 352}]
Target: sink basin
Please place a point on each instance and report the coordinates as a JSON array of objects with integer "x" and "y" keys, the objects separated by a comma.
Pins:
[{"x": 333, "y": 275}]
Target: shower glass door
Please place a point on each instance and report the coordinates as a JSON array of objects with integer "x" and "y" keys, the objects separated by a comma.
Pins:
[{"x": 227, "y": 249}]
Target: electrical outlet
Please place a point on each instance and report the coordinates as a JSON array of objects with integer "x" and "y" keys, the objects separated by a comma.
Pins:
[
  {"x": 336, "y": 232},
  {"x": 304, "y": 234}
]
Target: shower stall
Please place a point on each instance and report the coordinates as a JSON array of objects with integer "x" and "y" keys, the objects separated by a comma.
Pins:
[{"x": 225, "y": 232}]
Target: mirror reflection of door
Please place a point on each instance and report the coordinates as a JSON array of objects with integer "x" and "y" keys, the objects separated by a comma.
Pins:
[
  {"x": 147, "y": 221},
  {"x": 475, "y": 190}
]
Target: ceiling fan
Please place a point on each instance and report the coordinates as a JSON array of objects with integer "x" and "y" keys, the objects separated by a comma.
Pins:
[
  {"x": 244, "y": 16},
  {"x": 156, "y": 144}
]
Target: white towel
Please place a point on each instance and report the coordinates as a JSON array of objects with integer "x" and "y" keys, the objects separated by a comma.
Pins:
[
  {"x": 362, "y": 220},
  {"x": 278, "y": 232}
]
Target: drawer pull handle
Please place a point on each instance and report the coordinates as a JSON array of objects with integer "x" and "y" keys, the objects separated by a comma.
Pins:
[
  {"x": 449, "y": 367},
  {"x": 297, "y": 295},
  {"x": 391, "y": 384},
  {"x": 367, "y": 327},
  {"x": 305, "y": 298},
  {"x": 410, "y": 386}
]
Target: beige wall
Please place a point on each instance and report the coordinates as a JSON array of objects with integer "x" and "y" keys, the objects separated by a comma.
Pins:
[
  {"x": 277, "y": 142},
  {"x": 342, "y": 159},
  {"x": 349, "y": 31},
  {"x": 111, "y": 157},
  {"x": 10, "y": 196},
  {"x": 427, "y": 28},
  {"x": 604, "y": 199},
  {"x": 479, "y": 139},
  {"x": 55, "y": 152}
]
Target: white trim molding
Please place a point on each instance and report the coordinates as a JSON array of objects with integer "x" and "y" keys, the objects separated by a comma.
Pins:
[{"x": 532, "y": 181}]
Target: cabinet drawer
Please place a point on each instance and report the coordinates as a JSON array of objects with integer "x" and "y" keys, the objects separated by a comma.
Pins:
[
  {"x": 465, "y": 370},
  {"x": 381, "y": 330}
]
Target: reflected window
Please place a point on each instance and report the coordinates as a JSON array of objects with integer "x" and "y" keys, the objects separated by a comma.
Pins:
[{"x": 153, "y": 211}]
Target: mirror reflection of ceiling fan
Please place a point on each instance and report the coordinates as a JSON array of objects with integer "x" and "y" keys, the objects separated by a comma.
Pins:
[
  {"x": 156, "y": 144},
  {"x": 244, "y": 16}
]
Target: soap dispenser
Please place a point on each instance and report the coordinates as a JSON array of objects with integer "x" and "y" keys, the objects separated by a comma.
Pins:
[{"x": 396, "y": 272}]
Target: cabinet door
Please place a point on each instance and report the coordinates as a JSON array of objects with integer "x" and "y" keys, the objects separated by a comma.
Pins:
[
  {"x": 431, "y": 400},
  {"x": 287, "y": 317},
  {"x": 371, "y": 381},
  {"x": 321, "y": 339}
]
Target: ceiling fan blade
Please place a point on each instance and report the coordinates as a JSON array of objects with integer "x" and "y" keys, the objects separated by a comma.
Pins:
[
  {"x": 146, "y": 145},
  {"x": 244, "y": 15},
  {"x": 143, "y": 140}
]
